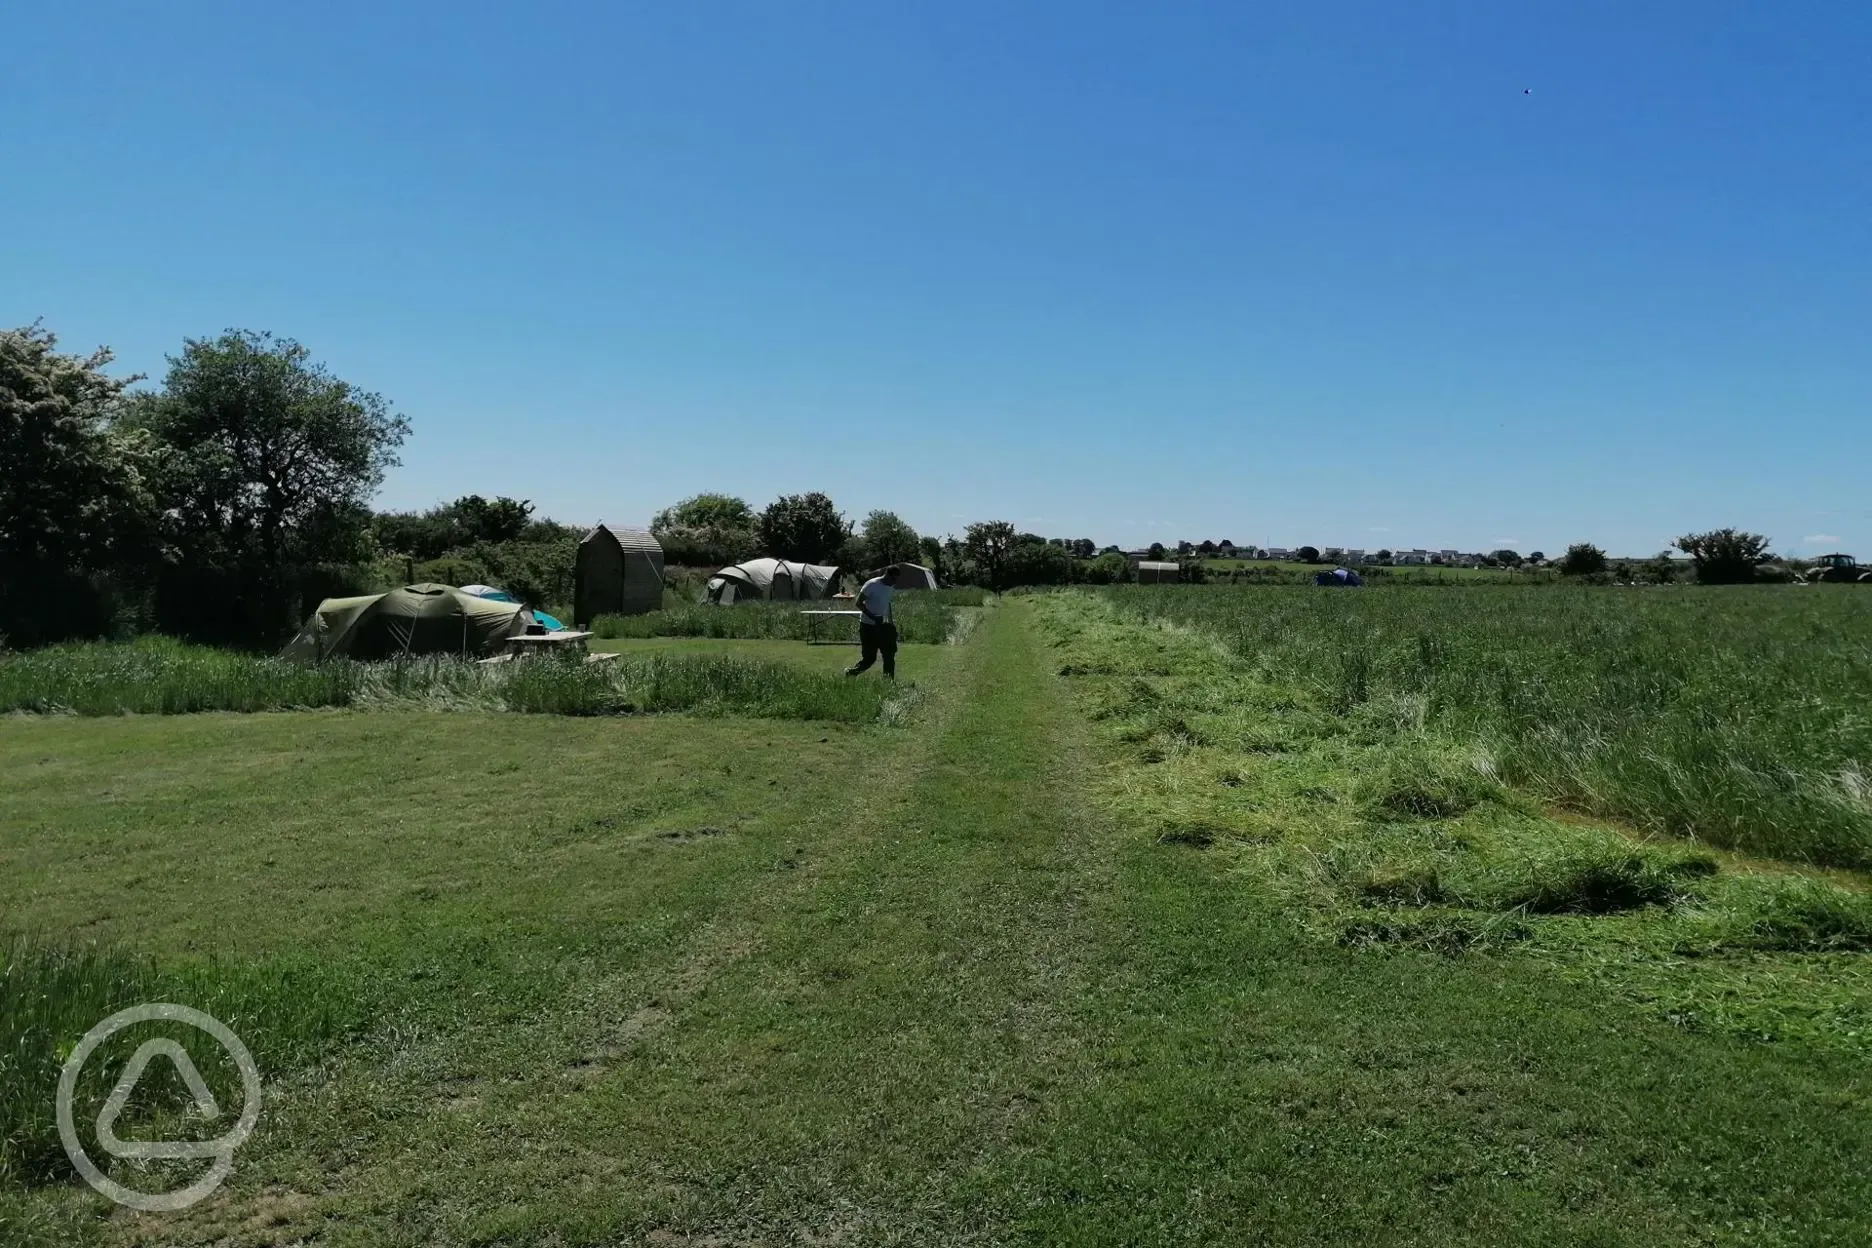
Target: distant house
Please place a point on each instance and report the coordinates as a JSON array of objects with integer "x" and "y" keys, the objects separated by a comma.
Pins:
[
  {"x": 1353, "y": 556},
  {"x": 1413, "y": 557},
  {"x": 1277, "y": 552}
]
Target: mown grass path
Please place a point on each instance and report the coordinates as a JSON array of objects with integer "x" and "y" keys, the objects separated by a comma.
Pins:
[{"x": 966, "y": 1009}]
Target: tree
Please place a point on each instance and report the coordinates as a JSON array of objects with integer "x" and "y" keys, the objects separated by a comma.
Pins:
[
  {"x": 1156, "y": 550},
  {"x": 1038, "y": 563},
  {"x": 1725, "y": 556},
  {"x": 932, "y": 553},
  {"x": 1185, "y": 548},
  {"x": 1083, "y": 548},
  {"x": 76, "y": 513},
  {"x": 1537, "y": 557},
  {"x": 806, "y": 528},
  {"x": 69, "y": 483},
  {"x": 889, "y": 540},
  {"x": 1583, "y": 559},
  {"x": 502, "y": 520},
  {"x": 705, "y": 511},
  {"x": 267, "y": 461},
  {"x": 1110, "y": 568},
  {"x": 1384, "y": 556},
  {"x": 1307, "y": 554},
  {"x": 1207, "y": 547},
  {"x": 989, "y": 545},
  {"x": 1507, "y": 558}
]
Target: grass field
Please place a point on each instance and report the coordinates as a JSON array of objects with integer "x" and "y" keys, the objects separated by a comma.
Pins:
[
  {"x": 1064, "y": 957},
  {"x": 1732, "y": 715}
]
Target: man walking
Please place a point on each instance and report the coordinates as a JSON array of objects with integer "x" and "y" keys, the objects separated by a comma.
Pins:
[{"x": 877, "y": 634}]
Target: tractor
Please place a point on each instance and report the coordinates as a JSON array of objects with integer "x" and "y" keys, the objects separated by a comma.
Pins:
[{"x": 1838, "y": 570}]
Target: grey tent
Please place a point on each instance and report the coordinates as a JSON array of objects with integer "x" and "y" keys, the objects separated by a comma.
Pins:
[
  {"x": 912, "y": 576},
  {"x": 417, "y": 619},
  {"x": 771, "y": 578},
  {"x": 618, "y": 572}
]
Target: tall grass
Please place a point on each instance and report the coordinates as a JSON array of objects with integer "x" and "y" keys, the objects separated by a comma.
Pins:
[
  {"x": 1735, "y": 715},
  {"x": 287, "y": 1012},
  {"x": 923, "y": 618},
  {"x": 167, "y": 677}
]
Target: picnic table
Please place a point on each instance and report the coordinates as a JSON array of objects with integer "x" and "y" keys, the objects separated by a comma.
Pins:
[
  {"x": 815, "y": 619},
  {"x": 521, "y": 645}
]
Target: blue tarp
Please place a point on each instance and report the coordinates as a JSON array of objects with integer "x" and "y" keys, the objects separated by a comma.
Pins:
[
  {"x": 551, "y": 625},
  {"x": 1338, "y": 576}
]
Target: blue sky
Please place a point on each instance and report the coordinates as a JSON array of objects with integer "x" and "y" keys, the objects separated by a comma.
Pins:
[{"x": 1318, "y": 272}]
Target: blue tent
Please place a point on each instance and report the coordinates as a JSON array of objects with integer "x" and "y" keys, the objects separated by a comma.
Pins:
[{"x": 1338, "y": 576}]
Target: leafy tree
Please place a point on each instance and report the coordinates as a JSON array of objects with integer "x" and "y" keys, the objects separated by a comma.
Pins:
[
  {"x": 502, "y": 520},
  {"x": 1384, "y": 556},
  {"x": 1110, "y": 568},
  {"x": 888, "y": 539},
  {"x": 1207, "y": 547},
  {"x": 70, "y": 483},
  {"x": 1537, "y": 557},
  {"x": 705, "y": 511},
  {"x": 1038, "y": 563},
  {"x": 1110, "y": 550},
  {"x": 806, "y": 528},
  {"x": 1308, "y": 554},
  {"x": 1156, "y": 550},
  {"x": 76, "y": 513},
  {"x": 1661, "y": 568},
  {"x": 707, "y": 548},
  {"x": 1583, "y": 559},
  {"x": 1226, "y": 546},
  {"x": 1725, "y": 556},
  {"x": 990, "y": 545},
  {"x": 266, "y": 463},
  {"x": 1507, "y": 558},
  {"x": 1184, "y": 548},
  {"x": 932, "y": 553}
]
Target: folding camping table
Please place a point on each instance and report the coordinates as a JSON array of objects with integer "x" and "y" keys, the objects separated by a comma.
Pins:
[{"x": 814, "y": 619}]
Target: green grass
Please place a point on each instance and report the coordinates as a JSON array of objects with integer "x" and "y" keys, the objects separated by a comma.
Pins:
[
  {"x": 923, "y": 618},
  {"x": 1729, "y": 715},
  {"x": 1380, "y": 831},
  {"x": 992, "y": 978},
  {"x": 159, "y": 676},
  {"x": 288, "y": 1011}
]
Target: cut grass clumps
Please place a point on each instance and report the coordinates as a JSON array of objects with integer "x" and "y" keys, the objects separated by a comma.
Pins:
[
  {"x": 1590, "y": 877},
  {"x": 164, "y": 677},
  {"x": 1425, "y": 784},
  {"x": 1794, "y": 914},
  {"x": 51, "y": 994},
  {"x": 1450, "y": 933}
]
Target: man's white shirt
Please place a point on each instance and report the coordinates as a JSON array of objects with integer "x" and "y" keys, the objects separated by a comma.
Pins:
[{"x": 875, "y": 601}]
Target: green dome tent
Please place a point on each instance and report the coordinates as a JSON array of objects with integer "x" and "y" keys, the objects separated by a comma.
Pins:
[{"x": 417, "y": 619}]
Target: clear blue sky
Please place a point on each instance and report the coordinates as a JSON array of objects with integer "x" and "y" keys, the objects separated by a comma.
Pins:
[{"x": 1308, "y": 272}]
